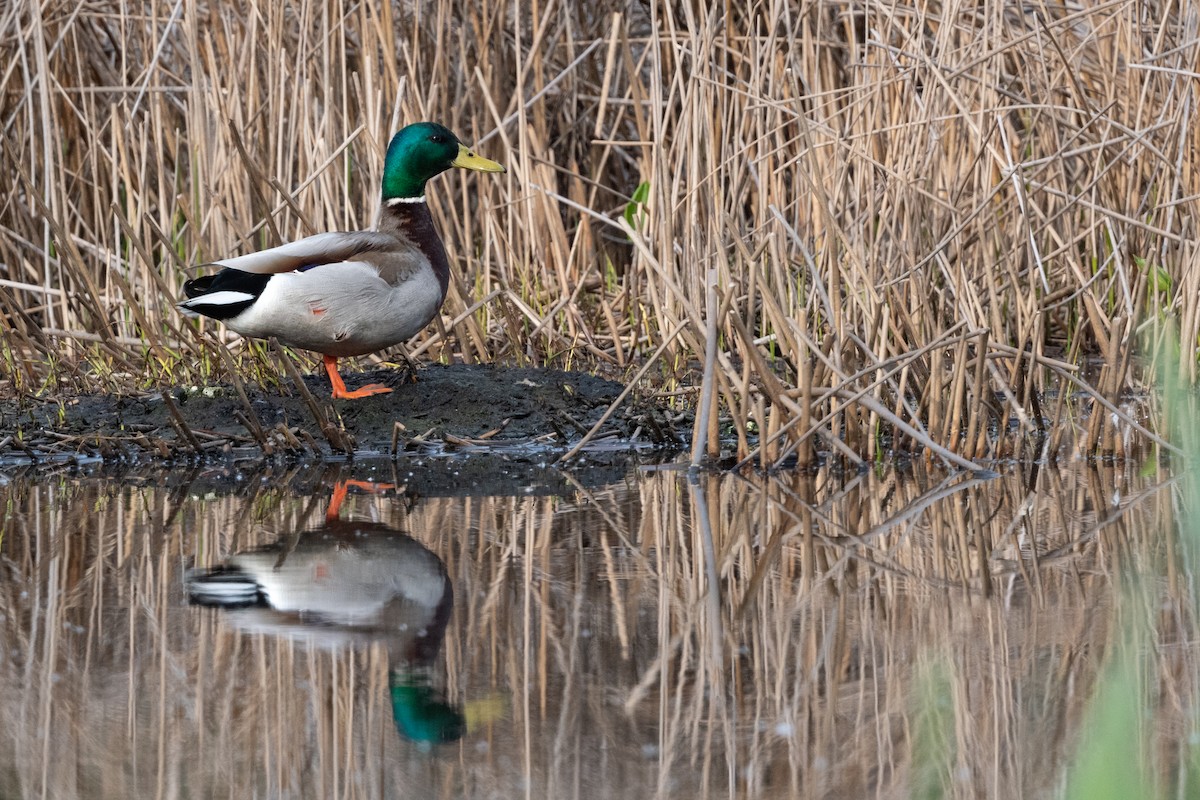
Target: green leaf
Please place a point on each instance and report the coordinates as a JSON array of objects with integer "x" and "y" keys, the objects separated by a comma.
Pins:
[{"x": 637, "y": 203}]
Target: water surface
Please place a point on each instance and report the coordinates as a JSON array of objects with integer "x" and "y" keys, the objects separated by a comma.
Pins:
[{"x": 658, "y": 636}]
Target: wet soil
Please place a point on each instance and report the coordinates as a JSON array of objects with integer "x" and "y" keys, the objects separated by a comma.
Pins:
[{"x": 520, "y": 412}]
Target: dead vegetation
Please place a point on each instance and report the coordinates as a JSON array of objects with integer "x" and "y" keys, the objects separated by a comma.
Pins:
[{"x": 860, "y": 228}]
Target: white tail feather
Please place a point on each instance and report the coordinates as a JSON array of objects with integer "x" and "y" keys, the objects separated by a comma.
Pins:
[{"x": 218, "y": 299}]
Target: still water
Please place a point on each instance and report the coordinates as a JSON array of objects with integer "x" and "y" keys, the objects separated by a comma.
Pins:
[{"x": 286, "y": 634}]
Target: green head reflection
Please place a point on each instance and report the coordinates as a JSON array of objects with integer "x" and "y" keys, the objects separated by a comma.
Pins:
[{"x": 422, "y": 714}]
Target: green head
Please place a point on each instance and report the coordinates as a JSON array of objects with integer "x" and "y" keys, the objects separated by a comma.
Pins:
[{"x": 422, "y": 150}]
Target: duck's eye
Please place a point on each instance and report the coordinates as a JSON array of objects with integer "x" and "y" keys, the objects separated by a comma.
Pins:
[{"x": 438, "y": 138}]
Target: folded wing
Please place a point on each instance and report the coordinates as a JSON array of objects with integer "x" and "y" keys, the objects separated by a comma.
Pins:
[
  {"x": 235, "y": 288},
  {"x": 324, "y": 248}
]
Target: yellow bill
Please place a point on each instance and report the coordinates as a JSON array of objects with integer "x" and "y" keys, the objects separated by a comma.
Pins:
[{"x": 468, "y": 160}]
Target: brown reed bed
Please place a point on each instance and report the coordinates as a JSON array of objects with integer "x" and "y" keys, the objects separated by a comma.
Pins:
[
  {"x": 727, "y": 637},
  {"x": 861, "y": 228}
]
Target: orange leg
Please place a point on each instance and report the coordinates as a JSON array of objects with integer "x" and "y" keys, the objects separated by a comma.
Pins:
[
  {"x": 339, "y": 387},
  {"x": 342, "y": 487}
]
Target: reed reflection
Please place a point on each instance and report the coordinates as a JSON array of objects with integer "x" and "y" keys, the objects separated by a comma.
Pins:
[
  {"x": 668, "y": 637},
  {"x": 344, "y": 584}
]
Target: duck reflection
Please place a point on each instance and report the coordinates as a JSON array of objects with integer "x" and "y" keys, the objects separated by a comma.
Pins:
[{"x": 346, "y": 584}]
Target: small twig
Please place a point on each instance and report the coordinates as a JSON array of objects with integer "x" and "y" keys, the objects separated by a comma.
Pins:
[
  {"x": 504, "y": 423},
  {"x": 251, "y": 424},
  {"x": 289, "y": 438},
  {"x": 397, "y": 429},
  {"x": 180, "y": 425}
]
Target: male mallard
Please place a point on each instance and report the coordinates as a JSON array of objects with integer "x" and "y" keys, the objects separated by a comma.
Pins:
[{"x": 349, "y": 293}]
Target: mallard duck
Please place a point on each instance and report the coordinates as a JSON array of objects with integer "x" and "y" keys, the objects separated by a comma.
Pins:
[{"x": 348, "y": 293}]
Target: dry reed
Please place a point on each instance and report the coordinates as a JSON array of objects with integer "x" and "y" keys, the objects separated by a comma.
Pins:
[{"x": 920, "y": 219}]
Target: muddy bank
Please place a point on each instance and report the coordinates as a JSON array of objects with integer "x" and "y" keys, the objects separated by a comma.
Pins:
[{"x": 456, "y": 408}]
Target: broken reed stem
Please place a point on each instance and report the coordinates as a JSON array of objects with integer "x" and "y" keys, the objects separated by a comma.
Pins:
[
  {"x": 977, "y": 423},
  {"x": 250, "y": 418},
  {"x": 704, "y": 443},
  {"x": 956, "y": 423},
  {"x": 338, "y": 439},
  {"x": 180, "y": 423},
  {"x": 804, "y": 451}
]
